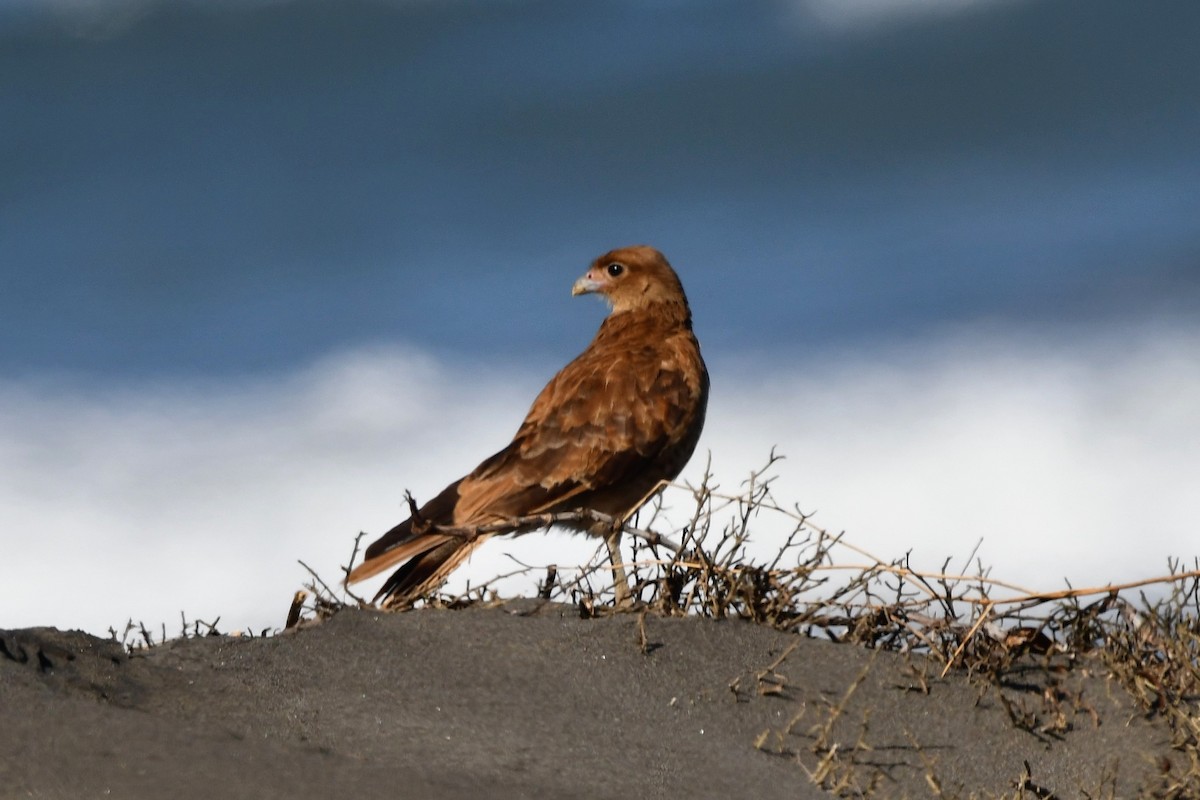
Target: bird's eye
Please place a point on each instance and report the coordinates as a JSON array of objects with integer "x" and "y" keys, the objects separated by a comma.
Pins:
[{"x": 615, "y": 269}]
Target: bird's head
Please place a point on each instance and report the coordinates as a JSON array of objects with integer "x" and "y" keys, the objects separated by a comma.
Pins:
[{"x": 632, "y": 278}]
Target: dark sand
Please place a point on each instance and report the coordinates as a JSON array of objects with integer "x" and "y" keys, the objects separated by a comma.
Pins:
[{"x": 516, "y": 702}]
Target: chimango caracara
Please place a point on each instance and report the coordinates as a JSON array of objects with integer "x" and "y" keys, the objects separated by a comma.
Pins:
[{"x": 615, "y": 423}]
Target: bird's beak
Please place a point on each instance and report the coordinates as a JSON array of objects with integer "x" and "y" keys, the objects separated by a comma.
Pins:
[{"x": 586, "y": 285}]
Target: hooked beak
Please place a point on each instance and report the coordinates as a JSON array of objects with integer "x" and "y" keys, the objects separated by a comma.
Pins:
[{"x": 586, "y": 285}]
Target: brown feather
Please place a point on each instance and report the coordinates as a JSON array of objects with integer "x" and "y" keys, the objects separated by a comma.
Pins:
[
  {"x": 401, "y": 552},
  {"x": 427, "y": 570},
  {"x": 622, "y": 417}
]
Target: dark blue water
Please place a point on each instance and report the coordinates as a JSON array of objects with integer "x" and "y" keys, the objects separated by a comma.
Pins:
[{"x": 227, "y": 188}]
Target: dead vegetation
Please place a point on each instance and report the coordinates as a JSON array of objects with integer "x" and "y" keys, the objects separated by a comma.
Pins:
[
  {"x": 135, "y": 636},
  {"x": 1014, "y": 644}
]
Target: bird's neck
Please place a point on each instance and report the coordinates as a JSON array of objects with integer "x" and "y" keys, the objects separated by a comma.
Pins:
[{"x": 660, "y": 315}]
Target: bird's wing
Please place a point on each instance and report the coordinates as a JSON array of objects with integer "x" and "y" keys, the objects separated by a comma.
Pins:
[{"x": 604, "y": 422}]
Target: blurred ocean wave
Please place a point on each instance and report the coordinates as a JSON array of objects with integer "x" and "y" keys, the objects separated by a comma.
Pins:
[{"x": 222, "y": 188}]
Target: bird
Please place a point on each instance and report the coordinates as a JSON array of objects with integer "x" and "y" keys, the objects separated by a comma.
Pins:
[{"x": 605, "y": 434}]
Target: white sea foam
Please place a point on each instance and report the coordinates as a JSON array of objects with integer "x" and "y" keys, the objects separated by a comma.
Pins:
[
  {"x": 869, "y": 14},
  {"x": 1070, "y": 458}
]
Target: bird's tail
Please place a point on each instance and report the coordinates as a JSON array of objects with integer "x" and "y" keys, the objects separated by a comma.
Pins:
[
  {"x": 425, "y": 572},
  {"x": 425, "y": 558}
]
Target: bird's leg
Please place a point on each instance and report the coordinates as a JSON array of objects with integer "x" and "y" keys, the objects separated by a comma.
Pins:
[
  {"x": 620, "y": 583},
  {"x": 613, "y": 539}
]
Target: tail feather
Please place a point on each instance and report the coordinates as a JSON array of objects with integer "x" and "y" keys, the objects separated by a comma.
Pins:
[
  {"x": 425, "y": 572},
  {"x": 428, "y": 555},
  {"x": 403, "y": 551},
  {"x": 439, "y": 511}
]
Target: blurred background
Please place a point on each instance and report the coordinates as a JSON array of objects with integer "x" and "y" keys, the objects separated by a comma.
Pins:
[{"x": 266, "y": 264}]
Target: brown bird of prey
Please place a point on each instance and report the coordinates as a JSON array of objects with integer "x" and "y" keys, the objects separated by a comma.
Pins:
[{"x": 605, "y": 433}]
